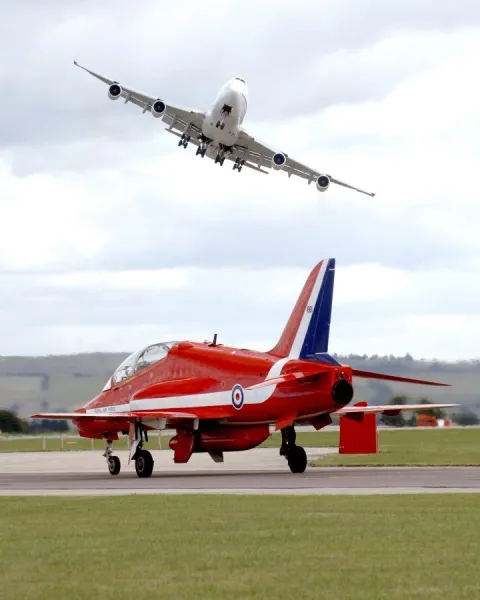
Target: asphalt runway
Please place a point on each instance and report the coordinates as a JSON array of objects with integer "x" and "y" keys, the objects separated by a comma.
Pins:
[{"x": 260, "y": 471}]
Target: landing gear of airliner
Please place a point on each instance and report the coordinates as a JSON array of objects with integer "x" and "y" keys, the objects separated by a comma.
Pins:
[
  {"x": 184, "y": 140},
  {"x": 113, "y": 462},
  {"x": 295, "y": 455},
  {"x": 239, "y": 162}
]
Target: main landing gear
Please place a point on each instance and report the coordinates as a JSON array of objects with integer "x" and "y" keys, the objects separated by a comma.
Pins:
[
  {"x": 143, "y": 459},
  {"x": 295, "y": 455},
  {"x": 184, "y": 140},
  {"x": 202, "y": 146},
  {"x": 239, "y": 162}
]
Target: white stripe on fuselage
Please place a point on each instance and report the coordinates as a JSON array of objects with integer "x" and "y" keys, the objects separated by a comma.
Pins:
[
  {"x": 307, "y": 316},
  {"x": 222, "y": 398}
]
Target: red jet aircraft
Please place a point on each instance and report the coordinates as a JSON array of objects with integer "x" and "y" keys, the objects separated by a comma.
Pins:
[{"x": 221, "y": 399}]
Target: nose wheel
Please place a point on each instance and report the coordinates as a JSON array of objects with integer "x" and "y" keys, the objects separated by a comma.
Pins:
[
  {"x": 295, "y": 455},
  {"x": 113, "y": 462}
]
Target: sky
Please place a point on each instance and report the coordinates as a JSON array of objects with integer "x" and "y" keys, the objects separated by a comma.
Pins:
[{"x": 113, "y": 238}]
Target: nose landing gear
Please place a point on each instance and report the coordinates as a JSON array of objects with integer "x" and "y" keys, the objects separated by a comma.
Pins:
[{"x": 113, "y": 462}]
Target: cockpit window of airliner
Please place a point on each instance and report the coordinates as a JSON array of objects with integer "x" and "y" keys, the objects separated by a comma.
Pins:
[{"x": 240, "y": 79}]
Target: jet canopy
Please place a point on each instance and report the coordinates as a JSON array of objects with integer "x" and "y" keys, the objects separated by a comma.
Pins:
[{"x": 139, "y": 360}]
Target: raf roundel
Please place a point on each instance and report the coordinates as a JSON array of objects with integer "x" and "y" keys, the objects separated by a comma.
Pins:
[{"x": 237, "y": 396}]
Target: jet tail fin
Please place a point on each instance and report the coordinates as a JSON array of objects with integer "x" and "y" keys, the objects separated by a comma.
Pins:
[{"x": 308, "y": 328}]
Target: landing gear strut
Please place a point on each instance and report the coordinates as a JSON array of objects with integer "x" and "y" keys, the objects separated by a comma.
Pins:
[
  {"x": 295, "y": 455},
  {"x": 202, "y": 146},
  {"x": 113, "y": 462},
  {"x": 184, "y": 140},
  {"x": 226, "y": 110},
  {"x": 143, "y": 459},
  {"x": 239, "y": 162}
]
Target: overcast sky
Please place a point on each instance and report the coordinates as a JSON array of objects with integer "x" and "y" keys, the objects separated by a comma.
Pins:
[{"x": 112, "y": 237}]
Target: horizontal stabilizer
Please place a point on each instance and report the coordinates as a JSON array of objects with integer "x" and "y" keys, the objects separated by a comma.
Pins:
[
  {"x": 391, "y": 408},
  {"x": 285, "y": 378},
  {"x": 372, "y": 375}
]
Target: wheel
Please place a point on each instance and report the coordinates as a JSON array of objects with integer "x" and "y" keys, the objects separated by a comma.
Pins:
[
  {"x": 114, "y": 465},
  {"x": 222, "y": 125},
  {"x": 144, "y": 464},
  {"x": 297, "y": 459},
  {"x": 221, "y": 161},
  {"x": 217, "y": 125}
]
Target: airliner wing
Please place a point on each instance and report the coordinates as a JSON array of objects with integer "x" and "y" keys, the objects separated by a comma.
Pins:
[
  {"x": 260, "y": 155},
  {"x": 176, "y": 117}
]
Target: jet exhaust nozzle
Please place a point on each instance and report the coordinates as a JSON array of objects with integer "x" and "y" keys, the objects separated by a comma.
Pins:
[{"x": 342, "y": 392}]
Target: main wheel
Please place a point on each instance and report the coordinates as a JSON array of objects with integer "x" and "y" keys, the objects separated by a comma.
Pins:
[
  {"x": 297, "y": 459},
  {"x": 114, "y": 465},
  {"x": 144, "y": 464}
]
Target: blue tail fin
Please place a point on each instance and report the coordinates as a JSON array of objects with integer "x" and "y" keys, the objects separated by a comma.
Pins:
[{"x": 318, "y": 331}]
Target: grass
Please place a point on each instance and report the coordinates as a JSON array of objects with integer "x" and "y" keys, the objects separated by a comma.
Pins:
[
  {"x": 416, "y": 447},
  {"x": 249, "y": 547}
]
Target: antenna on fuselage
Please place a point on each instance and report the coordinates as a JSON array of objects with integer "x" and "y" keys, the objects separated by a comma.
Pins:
[{"x": 214, "y": 343}]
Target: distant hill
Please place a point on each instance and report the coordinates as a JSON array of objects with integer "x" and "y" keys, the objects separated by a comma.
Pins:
[{"x": 66, "y": 382}]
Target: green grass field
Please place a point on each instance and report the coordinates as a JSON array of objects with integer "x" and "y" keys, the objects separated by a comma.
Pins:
[
  {"x": 436, "y": 447},
  {"x": 249, "y": 547}
]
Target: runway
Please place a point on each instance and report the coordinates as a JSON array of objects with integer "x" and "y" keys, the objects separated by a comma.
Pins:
[{"x": 259, "y": 471}]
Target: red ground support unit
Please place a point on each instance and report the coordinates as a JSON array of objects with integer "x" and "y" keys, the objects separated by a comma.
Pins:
[{"x": 358, "y": 433}]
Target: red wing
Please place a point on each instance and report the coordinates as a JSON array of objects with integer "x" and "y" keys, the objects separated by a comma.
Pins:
[
  {"x": 371, "y": 375},
  {"x": 74, "y": 415},
  {"x": 392, "y": 408}
]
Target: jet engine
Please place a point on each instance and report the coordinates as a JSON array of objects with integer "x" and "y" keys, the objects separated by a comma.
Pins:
[
  {"x": 279, "y": 160},
  {"x": 323, "y": 183},
  {"x": 158, "y": 108},
  {"x": 114, "y": 91}
]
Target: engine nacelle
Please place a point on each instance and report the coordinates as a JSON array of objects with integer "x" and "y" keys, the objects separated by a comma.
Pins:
[
  {"x": 279, "y": 160},
  {"x": 114, "y": 91},
  {"x": 323, "y": 183},
  {"x": 158, "y": 108}
]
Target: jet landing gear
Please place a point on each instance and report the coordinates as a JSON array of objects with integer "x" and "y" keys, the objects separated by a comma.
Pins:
[
  {"x": 202, "y": 146},
  {"x": 113, "y": 462},
  {"x": 295, "y": 455},
  {"x": 226, "y": 110},
  {"x": 184, "y": 140},
  {"x": 239, "y": 162},
  {"x": 143, "y": 459}
]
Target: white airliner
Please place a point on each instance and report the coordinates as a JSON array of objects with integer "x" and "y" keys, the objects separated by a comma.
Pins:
[{"x": 218, "y": 133}]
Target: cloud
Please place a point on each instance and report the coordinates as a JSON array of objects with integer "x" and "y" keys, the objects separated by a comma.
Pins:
[{"x": 112, "y": 236}]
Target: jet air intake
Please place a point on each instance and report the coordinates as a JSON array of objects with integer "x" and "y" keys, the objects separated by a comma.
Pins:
[
  {"x": 279, "y": 160},
  {"x": 158, "y": 108},
  {"x": 114, "y": 91},
  {"x": 323, "y": 183}
]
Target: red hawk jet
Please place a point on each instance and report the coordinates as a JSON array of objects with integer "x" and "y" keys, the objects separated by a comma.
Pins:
[{"x": 222, "y": 399}]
